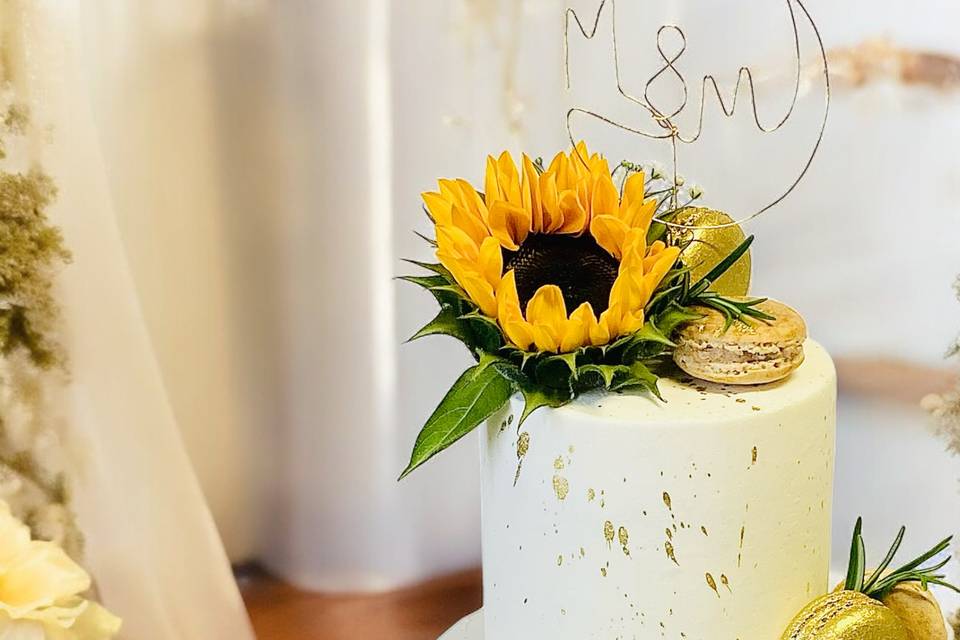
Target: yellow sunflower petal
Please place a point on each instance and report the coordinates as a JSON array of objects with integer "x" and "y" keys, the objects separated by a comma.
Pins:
[
  {"x": 491, "y": 261},
  {"x": 605, "y": 199},
  {"x": 547, "y": 312},
  {"x": 531, "y": 194},
  {"x": 610, "y": 322},
  {"x": 634, "y": 248},
  {"x": 438, "y": 206},
  {"x": 470, "y": 224},
  {"x": 665, "y": 261},
  {"x": 479, "y": 290},
  {"x": 577, "y": 332},
  {"x": 610, "y": 233},
  {"x": 509, "y": 178},
  {"x": 509, "y": 224},
  {"x": 517, "y": 330},
  {"x": 640, "y": 214},
  {"x": 552, "y": 214},
  {"x": 457, "y": 244},
  {"x": 472, "y": 200},
  {"x": 599, "y": 334},
  {"x": 633, "y": 190},
  {"x": 546, "y": 338},
  {"x": 491, "y": 183},
  {"x": 631, "y": 322},
  {"x": 575, "y": 216}
]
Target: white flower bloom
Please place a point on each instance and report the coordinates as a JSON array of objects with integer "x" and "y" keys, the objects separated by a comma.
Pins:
[{"x": 41, "y": 590}]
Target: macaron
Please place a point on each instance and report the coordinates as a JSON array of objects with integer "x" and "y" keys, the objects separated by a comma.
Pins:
[{"x": 753, "y": 352}]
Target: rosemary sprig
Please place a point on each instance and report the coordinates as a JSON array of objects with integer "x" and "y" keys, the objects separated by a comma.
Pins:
[
  {"x": 677, "y": 290},
  {"x": 879, "y": 584}
]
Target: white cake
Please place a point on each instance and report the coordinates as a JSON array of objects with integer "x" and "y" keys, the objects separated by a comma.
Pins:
[{"x": 620, "y": 517}]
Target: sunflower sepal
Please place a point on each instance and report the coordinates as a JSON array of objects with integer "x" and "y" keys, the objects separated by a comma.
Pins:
[
  {"x": 446, "y": 323},
  {"x": 435, "y": 267},
  {"x": 606, "y": 372},
  {"x": 567, "y": 359},
  {"x": 485, "y": 333},
  {"x": 535, "y": 397},
  {"x": 641, "y": 377},
  {"x": 673, "y": 317}
]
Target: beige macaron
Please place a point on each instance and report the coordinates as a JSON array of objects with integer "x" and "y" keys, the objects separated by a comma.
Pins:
[{"x": 756, "y": 353}]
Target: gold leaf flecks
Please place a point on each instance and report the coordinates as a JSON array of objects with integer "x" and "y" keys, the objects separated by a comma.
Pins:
[
  {"x": 608, "y": 532},
  {"x": 523, "y": 444},
  {"x": 561, "y": 487},
  {"x": 667, "y": 500},
  {"x": 668, "y": 546},
  {"x": 624, "y": 537},
  {"x": 712, "y": 584}
]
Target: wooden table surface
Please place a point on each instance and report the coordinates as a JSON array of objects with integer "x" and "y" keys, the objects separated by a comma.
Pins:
[{"x": 282, "y": 612}]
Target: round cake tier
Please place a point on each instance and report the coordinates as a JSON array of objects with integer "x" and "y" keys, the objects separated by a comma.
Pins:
[{"x": 706, "y": 516}]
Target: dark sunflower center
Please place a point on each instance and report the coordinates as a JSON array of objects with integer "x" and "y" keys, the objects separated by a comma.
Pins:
[{"x": 581, "y": 268}]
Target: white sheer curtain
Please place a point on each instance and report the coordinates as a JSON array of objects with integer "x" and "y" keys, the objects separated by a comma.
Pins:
[{"x": 151, "y": 544}]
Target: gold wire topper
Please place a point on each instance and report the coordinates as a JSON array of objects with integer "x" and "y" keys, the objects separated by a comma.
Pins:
[{"x": 665, "y": 118}]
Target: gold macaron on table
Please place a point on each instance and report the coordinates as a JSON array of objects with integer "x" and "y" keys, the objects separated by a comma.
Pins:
[{"x": 714, "y": 350}]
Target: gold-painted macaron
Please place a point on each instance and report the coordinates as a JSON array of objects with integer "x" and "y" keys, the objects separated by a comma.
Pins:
[
  {"x": 708, "y": 243},
  {"x": 846, "y": 615},
  {"x": 919, "y": 611},
  {"x": 755, "y": 353}
]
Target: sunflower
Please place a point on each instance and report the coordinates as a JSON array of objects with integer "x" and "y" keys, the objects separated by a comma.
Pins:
[{"x": 539, "y": 242}]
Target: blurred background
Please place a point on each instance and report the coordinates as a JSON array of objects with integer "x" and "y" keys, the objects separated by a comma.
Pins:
[{"x": 265, "y": 161}]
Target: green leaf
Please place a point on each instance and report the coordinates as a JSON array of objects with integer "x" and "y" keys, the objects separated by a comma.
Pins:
[
  {"x": 447, "y": 323},
  {"x": 474, "y": 397}
]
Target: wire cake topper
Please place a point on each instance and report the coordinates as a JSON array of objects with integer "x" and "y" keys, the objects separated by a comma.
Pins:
[{"x": 665, "y": 118}]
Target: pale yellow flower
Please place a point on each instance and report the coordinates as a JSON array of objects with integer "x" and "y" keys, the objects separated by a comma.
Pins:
[{"x": 41, "y": 590}]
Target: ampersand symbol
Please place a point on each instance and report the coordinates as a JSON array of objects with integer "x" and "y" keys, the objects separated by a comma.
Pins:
[{"x": 663, "y": 118}]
